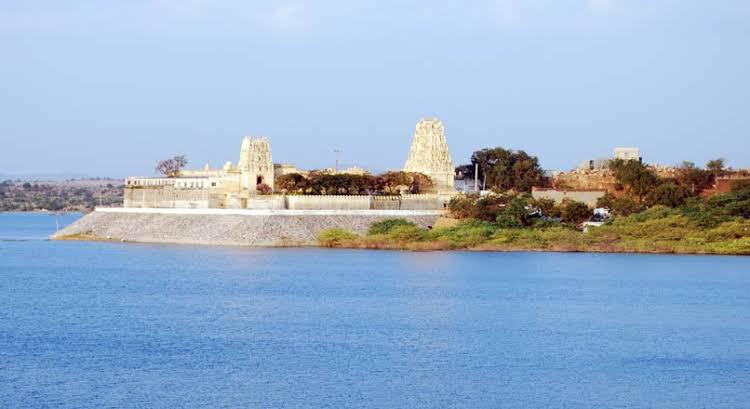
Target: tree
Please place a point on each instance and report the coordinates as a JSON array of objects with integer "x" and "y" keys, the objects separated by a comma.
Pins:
[
  {"x": 576, "y": 212},
  {"x": 548, "y": 207},
  {"x": 171, "y": 167},
  {"x": 716, "y": 166},
  {"x": 619, "y": 206},
  {"x": 635, "y": 176},
  {"x": 411, "y": 182},
  {"x": 695, "y": 179},
  {"x": 514, "y": 214},
  {"x": 668, "y": 194},
  {"x": 291, "y": 183},
  {"x": 503, "y": 169}
]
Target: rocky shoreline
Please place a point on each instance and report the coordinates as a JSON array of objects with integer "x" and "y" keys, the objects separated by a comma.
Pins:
[{"x": 225, "y": 227}]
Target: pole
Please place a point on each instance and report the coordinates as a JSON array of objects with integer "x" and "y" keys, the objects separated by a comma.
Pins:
[
  {"x": 337, "y": 152},
  {"x": 476, "y": 177}
]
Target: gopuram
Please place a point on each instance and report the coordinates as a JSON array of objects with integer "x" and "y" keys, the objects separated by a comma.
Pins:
[{"x": 430, "y": 155}]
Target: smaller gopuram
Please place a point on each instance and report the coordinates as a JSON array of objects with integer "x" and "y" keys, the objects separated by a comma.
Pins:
[
  {"x": 430, "y": 155},
  {"x": 256, "y": 164}
]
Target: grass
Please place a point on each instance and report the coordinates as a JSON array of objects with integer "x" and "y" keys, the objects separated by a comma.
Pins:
[{"x": 657, "y": 230}]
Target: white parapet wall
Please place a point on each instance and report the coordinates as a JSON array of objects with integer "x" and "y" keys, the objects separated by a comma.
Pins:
[
  {"x": 270, "y": 212},
  {"x": 342, "y": 202}
]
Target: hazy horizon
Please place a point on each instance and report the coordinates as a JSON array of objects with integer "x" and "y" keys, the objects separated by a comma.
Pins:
[{"x": 109, "y": 89}]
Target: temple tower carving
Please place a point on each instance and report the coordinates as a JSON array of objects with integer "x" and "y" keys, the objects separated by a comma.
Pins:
[
  {"x": 256, "y": 164},
  {"x": 430, "y": 155}
]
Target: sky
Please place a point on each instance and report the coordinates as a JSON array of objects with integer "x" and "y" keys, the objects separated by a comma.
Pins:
[{"x": 107, "y": 88}]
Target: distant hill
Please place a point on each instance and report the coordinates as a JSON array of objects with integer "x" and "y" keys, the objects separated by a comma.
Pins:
[{"x": 47, "y": 177}]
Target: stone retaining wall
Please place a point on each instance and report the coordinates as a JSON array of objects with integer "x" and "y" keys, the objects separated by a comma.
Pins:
[{"x": 228, "y": 227}]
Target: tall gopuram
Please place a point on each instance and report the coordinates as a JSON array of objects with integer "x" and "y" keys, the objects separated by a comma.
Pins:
[
  {"x": 430, "y": 155},
  {"x": 255, "y": 165}
]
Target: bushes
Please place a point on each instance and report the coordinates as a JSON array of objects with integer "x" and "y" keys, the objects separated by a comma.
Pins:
[
  {"x": 322, "y": 183},
  {"x": 668, "y": 194},
  {"x": 619, "y": 206},
  {"x": 386, "y": 226},
  {"x": 336, "y": 237},
  {"x": 467, "y": 234},
  {"x": 474, "y": 207},
  {"x": 576, "y": 212},
  {"x": 514, "y": 215}
]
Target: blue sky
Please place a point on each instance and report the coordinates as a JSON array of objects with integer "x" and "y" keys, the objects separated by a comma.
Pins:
[{"x": 108, "y": 88}]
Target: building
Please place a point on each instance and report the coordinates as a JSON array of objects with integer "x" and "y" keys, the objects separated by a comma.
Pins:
[
  {"x": 430, "y": 155},
  {"x": 628, "y": 154},
  {"x": 244, "y": 185},
  {"x": 228, "y": 187},
  {"x": 603, "y": 163}
]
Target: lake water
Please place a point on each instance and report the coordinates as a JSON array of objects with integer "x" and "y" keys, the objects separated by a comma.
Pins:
[{"x": 126, "y": 325}]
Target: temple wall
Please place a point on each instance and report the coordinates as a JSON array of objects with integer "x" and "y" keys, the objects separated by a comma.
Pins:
[
  {"x": 168, "y": 197},
  {"x": 343, "y": 202}
]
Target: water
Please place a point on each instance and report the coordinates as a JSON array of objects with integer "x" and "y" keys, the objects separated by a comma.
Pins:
[{"x": 122, "y": 325}]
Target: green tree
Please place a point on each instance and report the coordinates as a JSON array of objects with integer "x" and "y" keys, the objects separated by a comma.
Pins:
[
  {"x": 716, "y": 166},
  {"x": 548, "y": 207},
  {"x": 635, "y": 176},
  {"x": 620, "y": 206},
  {"x": 515, "y": 214},
  {"x": 669, "y": 195},
  {"x": 574, "y": 212},
  {"x": 695, "y": 179},
  {"x": 503, "y": 169}
]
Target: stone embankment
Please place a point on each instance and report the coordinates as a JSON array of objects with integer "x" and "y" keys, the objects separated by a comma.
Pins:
[{"x": 228, "y": 227}]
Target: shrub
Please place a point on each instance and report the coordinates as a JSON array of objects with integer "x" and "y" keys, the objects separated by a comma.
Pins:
[
  {"x": 576, "y": 212},
  {"x": 668, "y": 194},
  {"x": 462, "y": 206},
  {"x": 489, "y": 207},
  {"x": 619, "y": 206},
  {"x": 738, "y": 185},
  {"x": 548, "y": 207},
  {"x": 263, "y": 189},
  {"x": 386, "y": 226},
  {"x": 466, "y": 234},
  {"x": 514, "y": 214},
  {"x": 336, "y": 237}
]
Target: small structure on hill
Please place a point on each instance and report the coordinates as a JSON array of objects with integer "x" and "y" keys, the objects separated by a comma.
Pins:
[
  {"x": 430, "y": 155},
  {"x": 603, "y": 163}
]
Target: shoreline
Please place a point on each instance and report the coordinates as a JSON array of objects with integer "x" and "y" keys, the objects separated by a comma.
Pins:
[
  {"x": 394, "y": 248},
  {"x": 418, "y": 231}
]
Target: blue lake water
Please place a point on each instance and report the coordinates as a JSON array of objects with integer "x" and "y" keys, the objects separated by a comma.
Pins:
[{"x": 86, "y": 324}]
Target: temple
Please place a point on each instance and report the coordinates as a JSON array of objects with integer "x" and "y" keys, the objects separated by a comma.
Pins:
[
  {"x": 250, "y": 183},
  {"x": 430, "y": 155}
]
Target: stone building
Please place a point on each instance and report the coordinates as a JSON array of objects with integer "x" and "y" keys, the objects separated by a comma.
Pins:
[
  {"x": 430, "y": 155},
  {"x": 229, "y": 187},
  {"x": 603, "y": 163},
  {"x": 256, "y": 164},
  {"x": 628, "y": 154}
]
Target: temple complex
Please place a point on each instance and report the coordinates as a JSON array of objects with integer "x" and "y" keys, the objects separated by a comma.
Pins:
[
  {"x": 246, "y": 185},
  {"x": 430, "y": 155}
]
